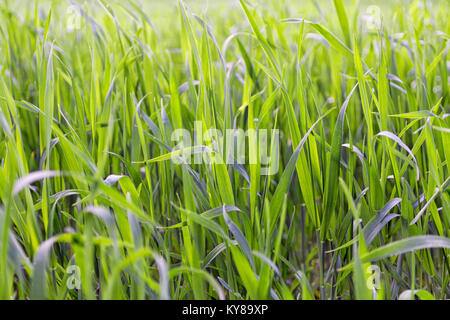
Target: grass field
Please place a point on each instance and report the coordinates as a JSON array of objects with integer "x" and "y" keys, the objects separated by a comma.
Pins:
[{"x": 341, "y": 187}]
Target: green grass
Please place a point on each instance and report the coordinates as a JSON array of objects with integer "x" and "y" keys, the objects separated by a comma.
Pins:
[{"x": 90, "y": 196}]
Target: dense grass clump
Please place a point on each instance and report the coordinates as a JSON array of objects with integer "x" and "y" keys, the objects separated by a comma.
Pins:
[{"x": 100, "y": 198}]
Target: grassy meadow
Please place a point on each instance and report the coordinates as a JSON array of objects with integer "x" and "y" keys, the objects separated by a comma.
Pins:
[{"x": 101, "y": 199}]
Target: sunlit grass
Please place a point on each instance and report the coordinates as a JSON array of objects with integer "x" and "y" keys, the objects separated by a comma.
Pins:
[{"x": 94, "y": 207}]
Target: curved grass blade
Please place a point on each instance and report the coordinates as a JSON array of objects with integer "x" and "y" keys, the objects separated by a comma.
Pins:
[
  {"x": 331, "y": 180},
  {"x": 286, "y": 177},
  {"x": 404, "y": 246}
]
